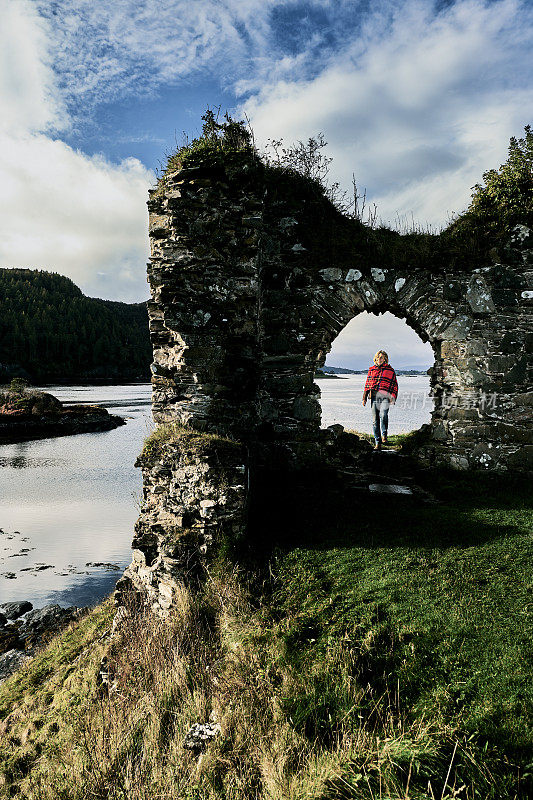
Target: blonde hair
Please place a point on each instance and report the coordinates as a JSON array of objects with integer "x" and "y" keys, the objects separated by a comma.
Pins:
[{"x": 381, "y": 353}]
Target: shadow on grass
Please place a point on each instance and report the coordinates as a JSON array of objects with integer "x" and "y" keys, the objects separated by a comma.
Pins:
[
  {"x": 435, "y": 598},
  {"x": 320, "y": 514}
]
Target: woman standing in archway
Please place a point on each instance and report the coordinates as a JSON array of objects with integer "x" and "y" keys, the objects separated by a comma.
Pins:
[{"x": 382, "y": 386}]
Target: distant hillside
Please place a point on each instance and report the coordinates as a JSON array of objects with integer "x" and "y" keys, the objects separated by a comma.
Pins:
[
  {"x": 339, "y": 371},
  {"x": 50, "y": 332},
  {"x": 344, "y": 371}
]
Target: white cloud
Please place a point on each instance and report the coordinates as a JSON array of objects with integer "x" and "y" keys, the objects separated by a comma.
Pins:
[
  {"x": 79, "y": 216},
  {"x": 62, "y": 210},
  {"x": 104, "y": 51},
  {"x": 417, "y": 104},
  {"x": 28, "y": 92},
  {"x": 357, "y": 343},
  {"x": 418, "y": 107}
]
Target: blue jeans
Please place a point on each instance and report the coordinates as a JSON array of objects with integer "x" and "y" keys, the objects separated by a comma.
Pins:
[{"x": 380, "y": 416}]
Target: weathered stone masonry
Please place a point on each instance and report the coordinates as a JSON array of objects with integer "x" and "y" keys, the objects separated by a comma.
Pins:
[{"x": 246, "y": 304}]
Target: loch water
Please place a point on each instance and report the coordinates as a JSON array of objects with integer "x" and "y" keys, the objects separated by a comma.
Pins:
[
  {"x": 342, "y": 403},
  {"x": 68, "y": 504}
]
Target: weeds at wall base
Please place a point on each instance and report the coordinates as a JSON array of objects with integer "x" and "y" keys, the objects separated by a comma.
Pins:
[{"x": 299, "y": 718}]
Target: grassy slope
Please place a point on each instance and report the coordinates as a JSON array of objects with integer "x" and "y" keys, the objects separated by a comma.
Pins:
[
  {"x": 446, "y": 593},
  {"x": 43, "y": 705},
  {"x": 388, "y": 656}
]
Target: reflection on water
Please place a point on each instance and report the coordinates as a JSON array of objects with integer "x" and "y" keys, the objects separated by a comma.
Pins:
[
  {"x": 71, "y": 501},
  {"x": 22, "y": 461}
]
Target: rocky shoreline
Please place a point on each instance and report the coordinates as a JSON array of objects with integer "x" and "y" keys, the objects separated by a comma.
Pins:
[
  {"x": 32, "y": 414},
  {"x": 69, "y": 421},
  {"x": 23, "y": 629}
]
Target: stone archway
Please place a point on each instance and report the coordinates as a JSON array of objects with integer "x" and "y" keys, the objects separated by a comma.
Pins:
[
  {"x": 475, "y": 321},
  {"x": 253, "y": 275},
  {"x": 349, "y": 357}
]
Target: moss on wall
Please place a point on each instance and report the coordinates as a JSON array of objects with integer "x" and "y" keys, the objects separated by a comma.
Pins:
[{"x": 191, "y": 441}]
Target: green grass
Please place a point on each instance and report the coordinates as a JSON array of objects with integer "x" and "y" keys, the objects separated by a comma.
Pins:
[
  {"x": 386, "y": 652},
  {"x": 436, "y": 603},
  {"x": 40, "y": 705},
  {"x": 396, "y": 441}
]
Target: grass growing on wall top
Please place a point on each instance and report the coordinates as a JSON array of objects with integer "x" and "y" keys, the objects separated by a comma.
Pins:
[
  {"x": 173, "y": 433},
  {"x": 333, "y": 230},
  {"x": 218, "y": 143}
]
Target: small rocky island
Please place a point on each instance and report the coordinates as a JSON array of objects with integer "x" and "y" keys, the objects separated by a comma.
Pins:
[{"x": 32, "y": 414}]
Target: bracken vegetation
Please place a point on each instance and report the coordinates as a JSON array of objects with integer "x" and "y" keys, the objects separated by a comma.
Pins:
[{"x": 504, "y": 199}]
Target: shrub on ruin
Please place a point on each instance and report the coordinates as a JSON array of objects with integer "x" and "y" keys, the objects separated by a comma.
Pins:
[
  {"x": 218, "y": 140},
  {"x": 503, "y": 199}
]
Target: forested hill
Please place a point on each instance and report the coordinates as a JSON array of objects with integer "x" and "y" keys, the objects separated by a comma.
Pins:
[{"x": 50, "y": 332}]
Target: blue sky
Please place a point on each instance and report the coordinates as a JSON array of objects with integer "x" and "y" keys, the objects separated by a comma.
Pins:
[{"x": 417, "y": 98}]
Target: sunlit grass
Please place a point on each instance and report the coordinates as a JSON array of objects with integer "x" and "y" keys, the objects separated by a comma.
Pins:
[
  {"x": 396, "y": 441},
  {"x": 385, "y": 652}
]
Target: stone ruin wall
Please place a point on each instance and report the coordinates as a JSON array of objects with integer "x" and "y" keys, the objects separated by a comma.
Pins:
[{"x": 241, "y": 316}]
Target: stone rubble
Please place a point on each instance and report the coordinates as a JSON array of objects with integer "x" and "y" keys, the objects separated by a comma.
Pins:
[
  {"x": 22, "y": 636},
  {"x": 15, "y": 609},
  {"x": 199, "y": 735}
]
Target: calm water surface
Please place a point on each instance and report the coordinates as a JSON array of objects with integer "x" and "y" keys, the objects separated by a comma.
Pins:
[
  {"x": 71, "y": 502},
  {"x": 341, "y": 403}
]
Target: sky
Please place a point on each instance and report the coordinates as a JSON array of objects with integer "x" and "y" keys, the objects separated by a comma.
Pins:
[
  {"x": 365, "y": 334},
  {"x": 416, "y": 98}
]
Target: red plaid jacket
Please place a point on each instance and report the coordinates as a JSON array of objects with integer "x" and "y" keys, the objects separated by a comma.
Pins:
[{"x": 381, "y": 379}]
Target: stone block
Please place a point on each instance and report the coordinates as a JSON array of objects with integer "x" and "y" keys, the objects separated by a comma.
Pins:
[
  {"x": 462, "y": 414},
  {"x": 478, "y": 296},
  {"x": 353, "y": 275},
  {"x": 369, "y": 294},
  {"x": 521, "y": 459},
  {"x": 459, "y": 329},
  {"x": 453, "y": 290},
  {"x": 306, "y": 408},
  {"x": 504, "y": 297},
  {"x": 524, "y": 399},
  {"x": 398, "y": 284},
  {"x": 439, "y": 431},
  {"x": 453, "y": 349},
  {"x": 158, "y": 225},
  {"x": 499, "y": 363},
  {"x": 331, "y": 274},
  {"x": 378, "y": 274},
  {"x": 253, "y": 221},
  {"x": 513, "y": 433},
  {"x": 474, "y": 347}
]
